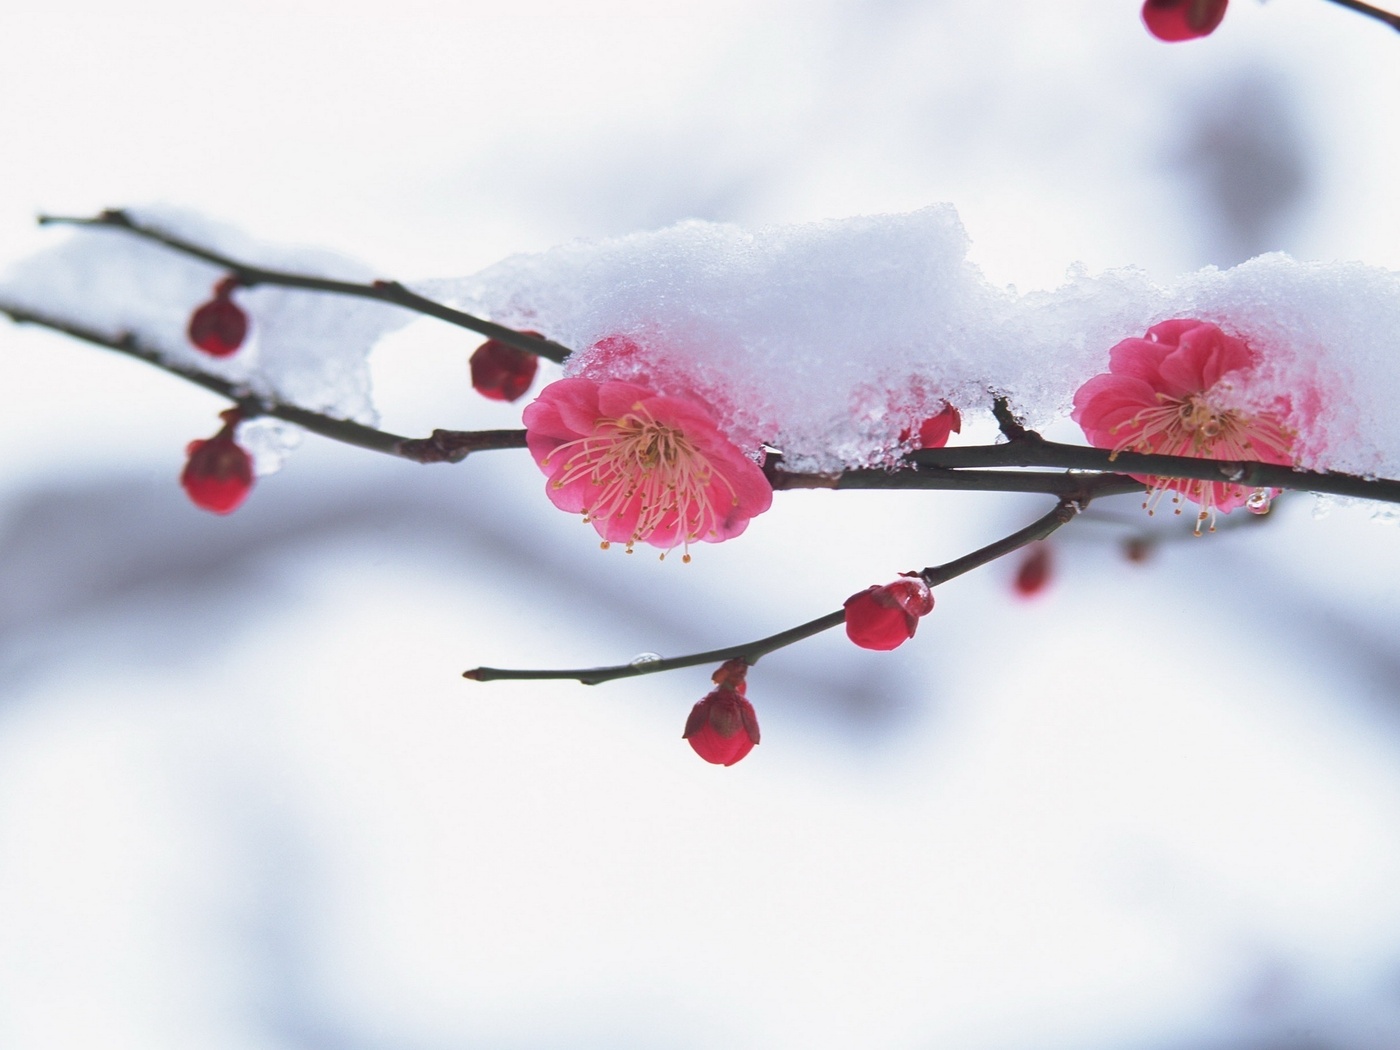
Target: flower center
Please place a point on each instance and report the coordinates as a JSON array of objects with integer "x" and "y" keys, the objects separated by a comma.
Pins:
[
  {"x": 646, "y": 472},
  {"x": 1195, "y": 426}
]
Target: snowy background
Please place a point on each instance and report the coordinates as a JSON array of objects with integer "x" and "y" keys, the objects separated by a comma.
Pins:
[{"x": 246, "y": 800}]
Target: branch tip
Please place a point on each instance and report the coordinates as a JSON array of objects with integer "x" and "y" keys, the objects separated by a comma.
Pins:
[{"x": 1011, "y": 425}]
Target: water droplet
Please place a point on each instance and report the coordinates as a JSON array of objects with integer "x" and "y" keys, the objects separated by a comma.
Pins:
[
  {"x": 1259, "y": 501},
  {"x": 642, "y": 659}
]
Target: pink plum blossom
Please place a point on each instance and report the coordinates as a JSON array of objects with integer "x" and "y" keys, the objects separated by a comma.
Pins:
[
  {"x": 1175, "y": 392},
  {"x": 640, "y": 467}
]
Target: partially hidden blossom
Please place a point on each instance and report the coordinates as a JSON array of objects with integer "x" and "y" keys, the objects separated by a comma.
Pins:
[
  {"x": 218, "y": 474},
  {"x": 219, "y": 326},
  {"x": 503, "y": 372},
  {"x": 1175, "y": 392},
  {"x": 641, "y": 467},
  {"x": 885, "y": 616},
  {"x": 1176, "y": 20},
  {"x": 722, "y": 728}
]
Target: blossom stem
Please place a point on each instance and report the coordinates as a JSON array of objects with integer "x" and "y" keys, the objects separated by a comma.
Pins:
[
  {"x": 384, "y": 291},
  {"x": 752, "y": 652},
  {"x": 443, "y": 446}
]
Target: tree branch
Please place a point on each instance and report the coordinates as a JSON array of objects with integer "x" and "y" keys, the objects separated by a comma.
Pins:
[
  {"x": 384, "y": 291},
  {"x": 1040, "y": 453},
  {"x": 967, "y": 468},
  {"x": 444, "y": 446},
  {"x": 752, "y": 652},
  {"x": 1066, "y": 485}
]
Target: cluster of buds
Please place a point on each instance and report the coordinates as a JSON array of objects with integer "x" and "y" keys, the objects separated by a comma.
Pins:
[{"x": 218, "y": 472}]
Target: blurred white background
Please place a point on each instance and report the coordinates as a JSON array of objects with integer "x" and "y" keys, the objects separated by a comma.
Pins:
[{"x": 246, "y": 800}]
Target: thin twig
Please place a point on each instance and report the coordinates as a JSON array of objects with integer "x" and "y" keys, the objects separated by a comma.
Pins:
[
  {"x": 1374, "y": 12},
  {"x": 444, "y": 446},
  {"x": 752, "y": 652},
  {"x": 384, "y": 291},
  {"x": 1065, "y": 511},
  {"x": 1012, "y": 428}
]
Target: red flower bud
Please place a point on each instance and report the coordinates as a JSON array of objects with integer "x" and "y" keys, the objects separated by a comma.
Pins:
[
  {"x": 1034, "y": 574},
  {"x": 885, "y": 616},
  {"x": 1174, "y": 20},
  {"x": 722, "y": 728},
  {"x": 935, "y": 431},
  {"x": 219, "y": 473},
  {"x": 220, "y": 325},
  {"x": 503, "y": 372}
]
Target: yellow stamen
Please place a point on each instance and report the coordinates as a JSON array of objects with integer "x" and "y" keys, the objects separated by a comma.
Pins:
[
  {"x": 643, "y": 467},
  {"x": 1194, "y": 426}
]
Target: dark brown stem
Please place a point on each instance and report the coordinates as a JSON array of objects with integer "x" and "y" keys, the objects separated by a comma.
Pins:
[
  {"x": 453, "y": 446},
  {"x": 384, "y": 291},
  {"x": 752, "y": 652},
  {"x": 1040, "y": 453},
  {"x": 445, "y": 446},
  {"x": 1389, "y": 19},
  {"x": 1065, "y": 511},
  {"x": 1067, "y": 485}
]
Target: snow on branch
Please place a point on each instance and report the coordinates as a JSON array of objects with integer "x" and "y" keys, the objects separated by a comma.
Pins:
[{"x": 719, "y": 365}]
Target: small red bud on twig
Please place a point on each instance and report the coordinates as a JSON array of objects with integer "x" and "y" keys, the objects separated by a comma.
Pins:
[
  {"x": 1035, "y": 572},
  {"x": 502, "y": 372},
  {"x": 219, "y": 472},
  {"x": 219, "y": 326},
  {"x": 722, "y": 728},
  {"x": 885, "y": 616}
]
